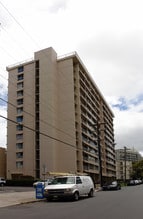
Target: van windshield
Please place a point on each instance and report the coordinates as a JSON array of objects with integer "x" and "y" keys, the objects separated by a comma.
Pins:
[{"x": 63, "y": 180}]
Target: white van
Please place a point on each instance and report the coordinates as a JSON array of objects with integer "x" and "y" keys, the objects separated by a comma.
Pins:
[{"x": 69, "y": 186}]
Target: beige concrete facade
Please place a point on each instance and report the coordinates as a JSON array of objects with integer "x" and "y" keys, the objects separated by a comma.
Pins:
[
  {"x": 53, "y": 107},
  {"x": 2, "y": 162},
  {"x": 124, "y": 162},
  {"x": 124, "y": 170}
]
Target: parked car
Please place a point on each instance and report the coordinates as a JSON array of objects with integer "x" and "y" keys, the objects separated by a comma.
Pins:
[
  {"x": 134, "y": 182},
  {"x": 131, "y": 183},
  {"x": 69, "y": 186},
  {"x": 138, "y": 181},
  {"x": 2, "y": 181},
  {"x": 112, "y": 186},
  {"x": 44, "y": 182}
]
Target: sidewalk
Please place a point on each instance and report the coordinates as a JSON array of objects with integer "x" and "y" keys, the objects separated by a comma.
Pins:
[{"x": 15, "y": 198}]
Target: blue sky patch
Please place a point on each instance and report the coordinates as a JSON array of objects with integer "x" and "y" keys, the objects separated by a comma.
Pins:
[
  {"x": 122, "y": 105},
  {"x": 3, "y": 99},
  {"x": 137, "y": 100}
]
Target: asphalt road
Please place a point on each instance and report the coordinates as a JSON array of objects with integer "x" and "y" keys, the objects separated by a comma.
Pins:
[{"x": 126, "y": 203}]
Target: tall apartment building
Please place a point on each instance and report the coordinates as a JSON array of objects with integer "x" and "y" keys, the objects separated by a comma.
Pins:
[
  {"x": 128, "y": 154},
  {"x": 53, "y": 110},
  {"x": 124, "y": 160}
]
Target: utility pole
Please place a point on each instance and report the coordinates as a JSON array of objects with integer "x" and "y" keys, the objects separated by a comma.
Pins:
[
  {"x": 125, "y": 158},
  {"x": 97, "y": 125},
  {"x": 44, "y": 172},
  {"x": 99, "y": 154}
]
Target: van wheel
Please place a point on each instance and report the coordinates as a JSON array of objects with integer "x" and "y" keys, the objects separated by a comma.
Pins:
[
  {"x": 91, "y": 193},
  {"x": 76, "y": 196},
  {"x": 49, "y": 199}
]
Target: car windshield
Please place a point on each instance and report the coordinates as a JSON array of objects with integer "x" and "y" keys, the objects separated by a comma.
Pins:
[
  {"x": 63, "y": 180},
  {"x": 114, "y": 183},
  {"x": 49, "y": 180}
]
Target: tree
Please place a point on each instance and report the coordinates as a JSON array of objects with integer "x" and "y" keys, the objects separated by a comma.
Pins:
[{"x": 137, "y": 172}]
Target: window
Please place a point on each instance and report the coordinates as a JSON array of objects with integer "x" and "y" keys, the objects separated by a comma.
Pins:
[
  {"x": 37, "y": 81},
  {"x": 19, "y": 93},
  {"x": 20, "y": 85},
  {"x": 19, "y": 101},
  {"x": 37, "y": 107},
  {"x": 19, "y": 119},
  {"x": 37, "y": 64},
  {"x": 19, "y": 145},
  {"x": 20, "y": 69},
  {"x": 78, "y": 180},
  {"x": 19, "y": 155},
  {"x": 19, "y": 127},
  {"x": 19, "y": 110},
  {"x": 63, "y": 180},
  {"x": 20, "y": 77},
  {"x": 19, "y": 164},
  {"x": 19, "y": 136}
]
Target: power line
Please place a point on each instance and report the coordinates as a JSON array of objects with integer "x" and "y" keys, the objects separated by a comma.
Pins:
[
  {"x": 41, "y": 133},
  {"x": 43, "y": 70},
  {"x": 37, "y": 131},
  {"x": 15, "y": 106},
  {"x": 8, "y": 53},
  {"x": 18, "y": 23},
  {"x": 22, "y": 29},
  {"x": 34, "y": 117},
  {"x": 14, "y": 40}
]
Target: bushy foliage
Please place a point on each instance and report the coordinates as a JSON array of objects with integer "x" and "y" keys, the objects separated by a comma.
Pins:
[{"x": 137, "y": 172}]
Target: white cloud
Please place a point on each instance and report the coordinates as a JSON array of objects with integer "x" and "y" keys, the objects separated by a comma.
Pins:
[
  {"x": 57, "y": 6},
  {"x": 128, "y": 124},
  {"x": 116, "y": 61},
  {"x": 128, "y": 127},
  {"x": 108, "y": 36}
]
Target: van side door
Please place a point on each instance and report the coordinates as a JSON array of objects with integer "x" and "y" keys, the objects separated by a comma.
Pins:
[{"x": 79, "y": 185}]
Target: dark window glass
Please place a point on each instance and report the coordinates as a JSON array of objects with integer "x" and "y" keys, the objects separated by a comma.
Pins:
[
  {"x": 19, "y": 155},
  {"x": 20, "y": 85},
  {"x": 19, "y": 145},
  {"x": 20, "y": 101},
  {"x": 19, "y": 127},
  {"x": 20, "y": 69},
  {"x": 20, "y": 77},
  {"x": 37, "y": 64},
  {"x": 19, "y": 136},
  {"x": 19, "y": 110},
  {"x": 78, "y": 180},
  {"x": 19, "y": 93},
  {"x": 19, "y": 118},
  {"x": 19, "y": 164}
]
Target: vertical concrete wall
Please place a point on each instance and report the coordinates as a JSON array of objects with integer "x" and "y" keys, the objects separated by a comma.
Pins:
[{"x": 2, "y": 162}]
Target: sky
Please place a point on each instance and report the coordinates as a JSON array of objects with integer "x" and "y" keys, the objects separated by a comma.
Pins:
[{"x": 108, "y": 37}]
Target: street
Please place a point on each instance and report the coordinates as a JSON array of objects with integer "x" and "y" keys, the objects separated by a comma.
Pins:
[{"x": 121, "y": 204}]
